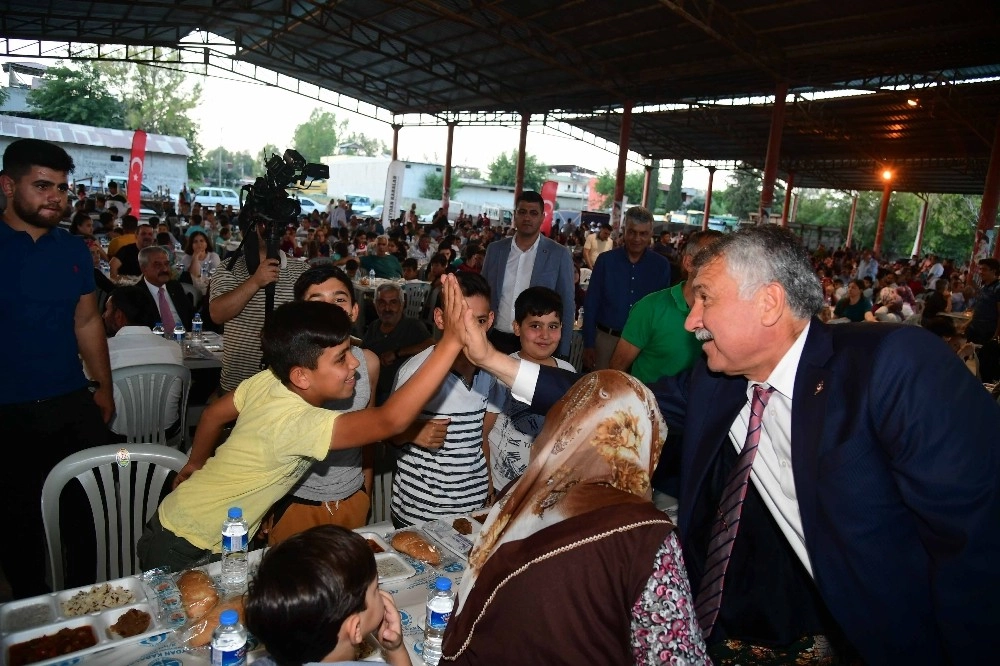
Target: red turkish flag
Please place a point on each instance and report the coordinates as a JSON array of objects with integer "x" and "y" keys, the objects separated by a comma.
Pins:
[
  {"x": 135, "y": 171},
  {"x": 549, "y": 188}
]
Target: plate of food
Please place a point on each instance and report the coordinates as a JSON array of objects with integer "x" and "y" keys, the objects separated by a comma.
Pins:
[
  {"x": 391, "y": 567},
  {"x": 375, "y": 542}
]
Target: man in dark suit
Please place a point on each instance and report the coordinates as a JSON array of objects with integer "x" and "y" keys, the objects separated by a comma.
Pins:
[
  {"x": 527, "y": 259},
  {"x": 869, "y": 526},
  {"x": 168, "y": 303}
]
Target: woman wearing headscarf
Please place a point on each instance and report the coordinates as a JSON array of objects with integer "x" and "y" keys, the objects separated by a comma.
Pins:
[{"x": 574, "y": 565}]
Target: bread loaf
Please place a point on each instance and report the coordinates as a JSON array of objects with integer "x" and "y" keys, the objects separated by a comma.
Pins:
[
  {"x": 414, "y": 545},
  {"x": 201, "y": 632},
  {"x": 198, "y": 594}
]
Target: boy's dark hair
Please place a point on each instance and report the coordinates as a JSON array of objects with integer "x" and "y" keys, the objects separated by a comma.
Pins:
[
  {"x": 297, "y": 333},
  {"x": 990, "y": 263},
  {"x": 439, "y": 259},
  {"x": 536, "y": 302},
  {"x": 351, "y": 265},
  {"x": 134, "y": 303},
  {"x": 939, "y": 325},
  {"x": 130, "y": 223},
  {"x": 410, "y": 262},
  {"x": 23, "y": 154},
  {"x": 472, "y": 284},
  {"x": 304, "y": 590},
  {"x": 319, "y": 275}
]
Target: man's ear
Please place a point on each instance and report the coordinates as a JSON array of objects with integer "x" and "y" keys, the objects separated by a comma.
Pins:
[
  {"x": 515, "y": 325},
  {"x": 773, "y": 303},
  {"x": 300, "y": 377},
  {"x": 7, "y": 184}
]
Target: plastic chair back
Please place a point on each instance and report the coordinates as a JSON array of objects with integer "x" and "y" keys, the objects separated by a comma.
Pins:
[
  {"x": 576, "y": 350},
  {"x": 123, "y": 496},
  {"x": 416, "y": 294},
  {"x": 144, "y": 401}
]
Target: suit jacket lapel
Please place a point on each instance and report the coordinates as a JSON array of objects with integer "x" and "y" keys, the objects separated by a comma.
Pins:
[{"x": 809, "y": 407}]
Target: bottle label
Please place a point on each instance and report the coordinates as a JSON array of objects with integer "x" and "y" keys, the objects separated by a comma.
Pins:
[
  {"x": 234, "y": 542},
  {"x": 436, "y": 620},
  {"x": 237, "y": 657}
]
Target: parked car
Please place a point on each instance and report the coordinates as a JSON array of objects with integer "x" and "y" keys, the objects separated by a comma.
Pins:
[
  {"x": 209, "y": 196},
  {"x": 309, "y": 205},
  {"x": 360, "y": 204},
  {"x": 375, "y": 213}
]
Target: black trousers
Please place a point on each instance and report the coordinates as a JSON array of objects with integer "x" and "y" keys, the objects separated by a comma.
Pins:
[{"x": 36, "y": 436}]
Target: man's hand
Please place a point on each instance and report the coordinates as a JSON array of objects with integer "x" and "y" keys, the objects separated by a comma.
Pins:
[
  {"x": 431, "y": 433},
  {"x": 185, "y": 473},
  {"x": 387, "y": 358},
  {"x": 589, "y": 358},
  {"x": 266, "y": 273},
  {"x": 105, "y": 399}
]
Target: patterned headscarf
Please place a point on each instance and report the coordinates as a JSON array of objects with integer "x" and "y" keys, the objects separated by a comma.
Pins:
[{"x": 607, "y": 430}]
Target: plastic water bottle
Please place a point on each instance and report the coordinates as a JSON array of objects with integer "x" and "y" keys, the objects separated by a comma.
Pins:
[
  {"x": 105, "y": 268},
  {"x": 158, "y": 329},
  {"x": 371, "y": 276},
  {"x": 229, "y": 641},
  {"x": 234, "y": 551},
  {"x": 196, "y": 326},
  {"x": 440, "y": 604},
  {"x": 179, "y": 332}
]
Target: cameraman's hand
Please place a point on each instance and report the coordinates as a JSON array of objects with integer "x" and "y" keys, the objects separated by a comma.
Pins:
[{"x": 266, "y": 273}]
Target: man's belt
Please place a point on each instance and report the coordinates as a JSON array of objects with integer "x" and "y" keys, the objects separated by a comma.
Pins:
[{"x": 609, "y": 330}]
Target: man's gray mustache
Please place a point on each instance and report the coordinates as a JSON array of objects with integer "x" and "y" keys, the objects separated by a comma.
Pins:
[{"x": 703, "y": 335}]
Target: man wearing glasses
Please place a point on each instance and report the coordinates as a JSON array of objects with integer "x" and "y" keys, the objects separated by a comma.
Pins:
[{"x": 526, "y": 259}]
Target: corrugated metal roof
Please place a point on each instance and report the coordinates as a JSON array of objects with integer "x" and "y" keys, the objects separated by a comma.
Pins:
[{"x": 29, "y": 128}]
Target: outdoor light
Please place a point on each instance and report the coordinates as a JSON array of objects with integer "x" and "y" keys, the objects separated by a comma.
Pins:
[
  {"x": 912, "y": 102},
  {"x": 886, "y": 175}
]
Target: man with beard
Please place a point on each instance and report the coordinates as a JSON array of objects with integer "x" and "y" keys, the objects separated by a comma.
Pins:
[
  {"x": 393, "y": 337},
  {"x": 49, "y": 320}
]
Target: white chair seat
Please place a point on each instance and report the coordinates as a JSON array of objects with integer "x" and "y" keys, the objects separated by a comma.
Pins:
[
  {"x": 122, "y": 499},
  {"x": 144, "y": 391}
]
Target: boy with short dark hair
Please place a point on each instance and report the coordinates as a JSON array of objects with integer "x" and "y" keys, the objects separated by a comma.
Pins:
[
  {"x": 282, "y": 428},
  {"x": 436, "y": 480},
  {"x": 342, "y": 606},
  {"x": 511, "y": 425}
]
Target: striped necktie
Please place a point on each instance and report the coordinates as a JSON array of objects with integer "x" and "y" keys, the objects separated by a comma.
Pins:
[{"x": 727, "y": 523}]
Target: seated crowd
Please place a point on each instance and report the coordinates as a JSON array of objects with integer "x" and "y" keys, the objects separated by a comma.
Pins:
[{"x": 836, "y": 475}]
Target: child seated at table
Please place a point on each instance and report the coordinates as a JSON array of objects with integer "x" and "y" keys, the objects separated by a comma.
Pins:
[
  {"x": 437, "y": 480},
  {"x": 282, "y": 428},
  {"x": 315, "y": 597},
  {"x": 513, "y": 427}
]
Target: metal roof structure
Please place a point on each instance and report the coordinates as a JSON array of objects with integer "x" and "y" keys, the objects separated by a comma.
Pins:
[{"x": 453, "y": 57}]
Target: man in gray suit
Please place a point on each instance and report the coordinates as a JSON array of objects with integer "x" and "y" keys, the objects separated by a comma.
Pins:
[{"x": 527, "y": 259}]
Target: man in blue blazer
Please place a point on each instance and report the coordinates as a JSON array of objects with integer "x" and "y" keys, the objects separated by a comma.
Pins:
[
  {"x": 527, "y": 259},
  {"x": 871, "y": 524}
]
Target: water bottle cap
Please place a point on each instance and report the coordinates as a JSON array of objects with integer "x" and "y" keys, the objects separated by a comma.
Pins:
[
  {"x": 235, "y": 512},
  {"x": 229, "y": 616},
  {"x": 442, "y": 583}
]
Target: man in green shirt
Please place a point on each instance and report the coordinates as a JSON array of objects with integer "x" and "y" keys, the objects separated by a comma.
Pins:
[
  {"x": 384, "y": 264},
  {"x": 654, "y": 341}
]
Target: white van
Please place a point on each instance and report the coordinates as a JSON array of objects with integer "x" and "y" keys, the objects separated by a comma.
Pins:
[{"x": 360, "y": 204}]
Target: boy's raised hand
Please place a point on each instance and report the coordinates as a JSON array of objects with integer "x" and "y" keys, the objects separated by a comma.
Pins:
[
  {"x": 458, "y": 316},
  {"x": 390, "y": 633}
]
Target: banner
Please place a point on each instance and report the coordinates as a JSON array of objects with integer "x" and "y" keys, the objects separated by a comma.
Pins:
[
  {"x": 135, "y": 169},
  {"x": 549, "y": 188},
  {"x": 393, "y": 192}
]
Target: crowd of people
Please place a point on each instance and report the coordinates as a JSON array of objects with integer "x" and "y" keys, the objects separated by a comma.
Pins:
[{"x": 836, "y": 475}]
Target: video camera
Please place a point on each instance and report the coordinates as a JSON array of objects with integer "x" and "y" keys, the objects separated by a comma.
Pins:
[{"x": 268, "y": 205}]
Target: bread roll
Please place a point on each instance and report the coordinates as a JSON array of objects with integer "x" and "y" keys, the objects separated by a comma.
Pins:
[
  {"x": 198, "y": 594},
  {"x": 414, "y": 545},
  {"x": 200, "y": 633}
]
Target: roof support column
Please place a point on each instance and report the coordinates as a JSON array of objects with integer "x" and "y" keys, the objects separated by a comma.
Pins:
[
  {"x": 395, "y": 141},
  {"x": 522, "y": 145},
  {"x": 988, "y": 207},
  {"x": 646, "y": 180},
  {"x": 883, "y": 211},
  {"x": 623, "y": 137},
  {"x": 786, "y": 208},
  {"x": 920, "y": 229},
  {"x": 773, "y": 153},
  {"x": 446, "y": 180},
  {"x": 795, "y": 207},
  {"x": 708, "y": 199},
  {"x": 850, "y": 224}
]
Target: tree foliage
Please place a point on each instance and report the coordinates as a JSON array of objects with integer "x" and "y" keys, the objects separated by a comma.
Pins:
[
  {"x": 80, "y": 95},
  {"x": 605, "y": 186},
  {"x": 359, "y": 143},
  {"x": 742, "y": 196},
  {"x": 317, "y": 137},
  {"x": 234, "y": 166},
  {"x": 433, "y": 187},
  {"x": 675, "y": 195},
  {"x": 503, "y": 171}
]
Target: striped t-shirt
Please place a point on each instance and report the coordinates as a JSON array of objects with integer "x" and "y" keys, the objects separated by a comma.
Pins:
[
  {"x": 430, "y": 483},
  {"x": 241, "y": 352}
]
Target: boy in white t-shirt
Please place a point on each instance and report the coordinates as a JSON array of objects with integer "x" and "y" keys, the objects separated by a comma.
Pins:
[{"x": 512, "y": 427}]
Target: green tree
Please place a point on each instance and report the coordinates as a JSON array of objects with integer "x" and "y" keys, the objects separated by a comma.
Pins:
[
  {"x": 81, "y": 95},
  {"x": 742, "y": 196},
  {"x": 434, "y": 185},
  {"x": 234, "y": 166},
  {"x": 605, "y": 186},
  {"x": 503, "y": 171},
  {"x": 317, "y": 137},
  {"x": 675, "y": 196},
  {"x": 358, "y": 143}
]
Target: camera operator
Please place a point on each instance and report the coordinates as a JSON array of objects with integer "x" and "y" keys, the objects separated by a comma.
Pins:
[{"x": 238, "y": 301}]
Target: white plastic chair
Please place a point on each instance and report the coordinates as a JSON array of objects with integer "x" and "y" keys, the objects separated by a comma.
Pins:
[
  {"x": 123, "y": 496},
  {"x": 144, "y": 393},
  {"x": 416, "y": 294},
  {"x": 576, "y": 350}
]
